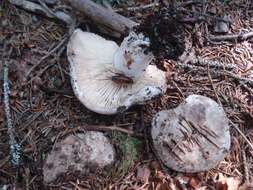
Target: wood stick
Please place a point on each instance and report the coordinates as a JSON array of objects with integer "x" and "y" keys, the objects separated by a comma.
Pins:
[
  {"x": 138, "y": 8},
  {"x": 110, "y": 128},
  {"x": 103, "y": 16},
  {"x": 49, "y": 2},
  {"x": 38, "y": 9},
  {"x": 58, "y": 46},
  {"x": 242, "y": 134},
  {"x": 216, "y": 73},
  {"x": 232, "y": 37},
  {"x": 245, "y": 167},
  {"x": 15, "y": 148}
]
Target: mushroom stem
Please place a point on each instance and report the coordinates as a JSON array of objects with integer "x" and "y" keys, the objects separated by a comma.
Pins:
[{"x": 133, "y": 56}]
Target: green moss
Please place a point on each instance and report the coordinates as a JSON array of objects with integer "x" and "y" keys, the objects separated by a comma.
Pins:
[{"x": 129, "y": 148}]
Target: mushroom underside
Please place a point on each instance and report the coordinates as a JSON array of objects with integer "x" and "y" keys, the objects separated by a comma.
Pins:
[{"x": 93, "y": 76}]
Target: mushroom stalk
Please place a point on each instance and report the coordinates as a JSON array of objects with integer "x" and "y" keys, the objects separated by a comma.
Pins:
[{"x": 133, "y": 56}]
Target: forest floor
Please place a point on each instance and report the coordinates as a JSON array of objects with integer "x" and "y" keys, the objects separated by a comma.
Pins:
[{"x": 44, "y": 108}]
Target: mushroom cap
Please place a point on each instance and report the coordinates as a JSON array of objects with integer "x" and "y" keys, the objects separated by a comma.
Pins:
[
  {"x": 193, "y": 137},
  {"x": 82, "y": 152},
  {"x": 92, "y": 72}
]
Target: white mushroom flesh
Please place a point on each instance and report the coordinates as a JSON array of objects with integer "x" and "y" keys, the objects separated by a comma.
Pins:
[{"x": 133, "y": 56}]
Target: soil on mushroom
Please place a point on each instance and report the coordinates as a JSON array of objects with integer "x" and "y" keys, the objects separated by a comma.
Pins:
[{"x": 165, "y": 32}]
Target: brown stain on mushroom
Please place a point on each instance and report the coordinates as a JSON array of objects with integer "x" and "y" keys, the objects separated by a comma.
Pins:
[
  {"x": 49, "y": 165},
  {"x": 128, "y": 59},
  {"x": 198, "y": 111},
  {"x": 163, "y": 124},
  {"x": 63, "y": 156},
  {"x": 57, "y": 148}
]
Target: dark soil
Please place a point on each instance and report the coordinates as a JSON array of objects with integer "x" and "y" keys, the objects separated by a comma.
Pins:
[{"x": 166, "y": 33}]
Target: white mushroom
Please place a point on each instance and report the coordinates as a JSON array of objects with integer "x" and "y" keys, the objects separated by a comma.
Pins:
[
  {"x": 192, "y": 137},
  {"x": 102, "y": 78}
]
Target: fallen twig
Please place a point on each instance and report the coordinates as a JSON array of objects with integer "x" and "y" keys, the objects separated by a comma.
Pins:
[
  {"x": 38, "y": 9},
  {"x": 138, "y": 8},
  {"x": 189, "y": 2},
  {"x": 60, "y": 44},
  {"x": 110, "y": 128},
  {"x": 241, "y": 133},
  {"x": 245, "y": 167},
  {"x": 15, "y": 149},
  {"x": 245, "y": 80},
  {"x": 214, "y": 89},
  {"x": 198, "y": 17},
  {"x": 103, "y": 16},
  {"x": 232, "y": 37},
  {"x": 192, "y": 59},
  {"x": 216, "y": 73},
  {"x": 212, "y": 64},
  {"x": 143, "y": 128},
  {"x": 49, "y": 2}
]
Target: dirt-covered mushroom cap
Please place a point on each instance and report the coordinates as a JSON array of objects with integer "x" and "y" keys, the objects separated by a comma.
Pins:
[
  {"x": 98, "y": 84},
  {"x": 83, "y": 153},
  {"x": 192, "y": 137}
]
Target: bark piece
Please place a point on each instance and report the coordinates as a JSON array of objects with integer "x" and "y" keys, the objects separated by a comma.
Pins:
[{"x": 103, "y": 16}]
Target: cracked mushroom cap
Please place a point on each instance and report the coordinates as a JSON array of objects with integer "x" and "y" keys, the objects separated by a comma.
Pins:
[
  {"x": 97, "y": 83},
  {"x": 193, "y": 137}
]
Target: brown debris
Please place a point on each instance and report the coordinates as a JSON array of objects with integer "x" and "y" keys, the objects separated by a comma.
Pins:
[{"x": 165, "y": 33}]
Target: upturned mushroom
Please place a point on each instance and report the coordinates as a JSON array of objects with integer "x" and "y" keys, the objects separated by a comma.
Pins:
[
  {"x": 193, "y": 137},
  {"x": 106, "y": 77}
]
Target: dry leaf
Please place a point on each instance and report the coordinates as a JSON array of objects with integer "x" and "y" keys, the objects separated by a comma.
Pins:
[
  {"x": 162, "y": 186},
  {"x": 226, "y": 183},
  {"x": 160, "y": 176},
  {"x": 193, "y": 182}
]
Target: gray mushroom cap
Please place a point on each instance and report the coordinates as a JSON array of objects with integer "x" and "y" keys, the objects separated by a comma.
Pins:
[
  {"x": 193, "y": 137},
  {"x": 92, "y": 70},
  {"x": 82, "y": 153}
]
